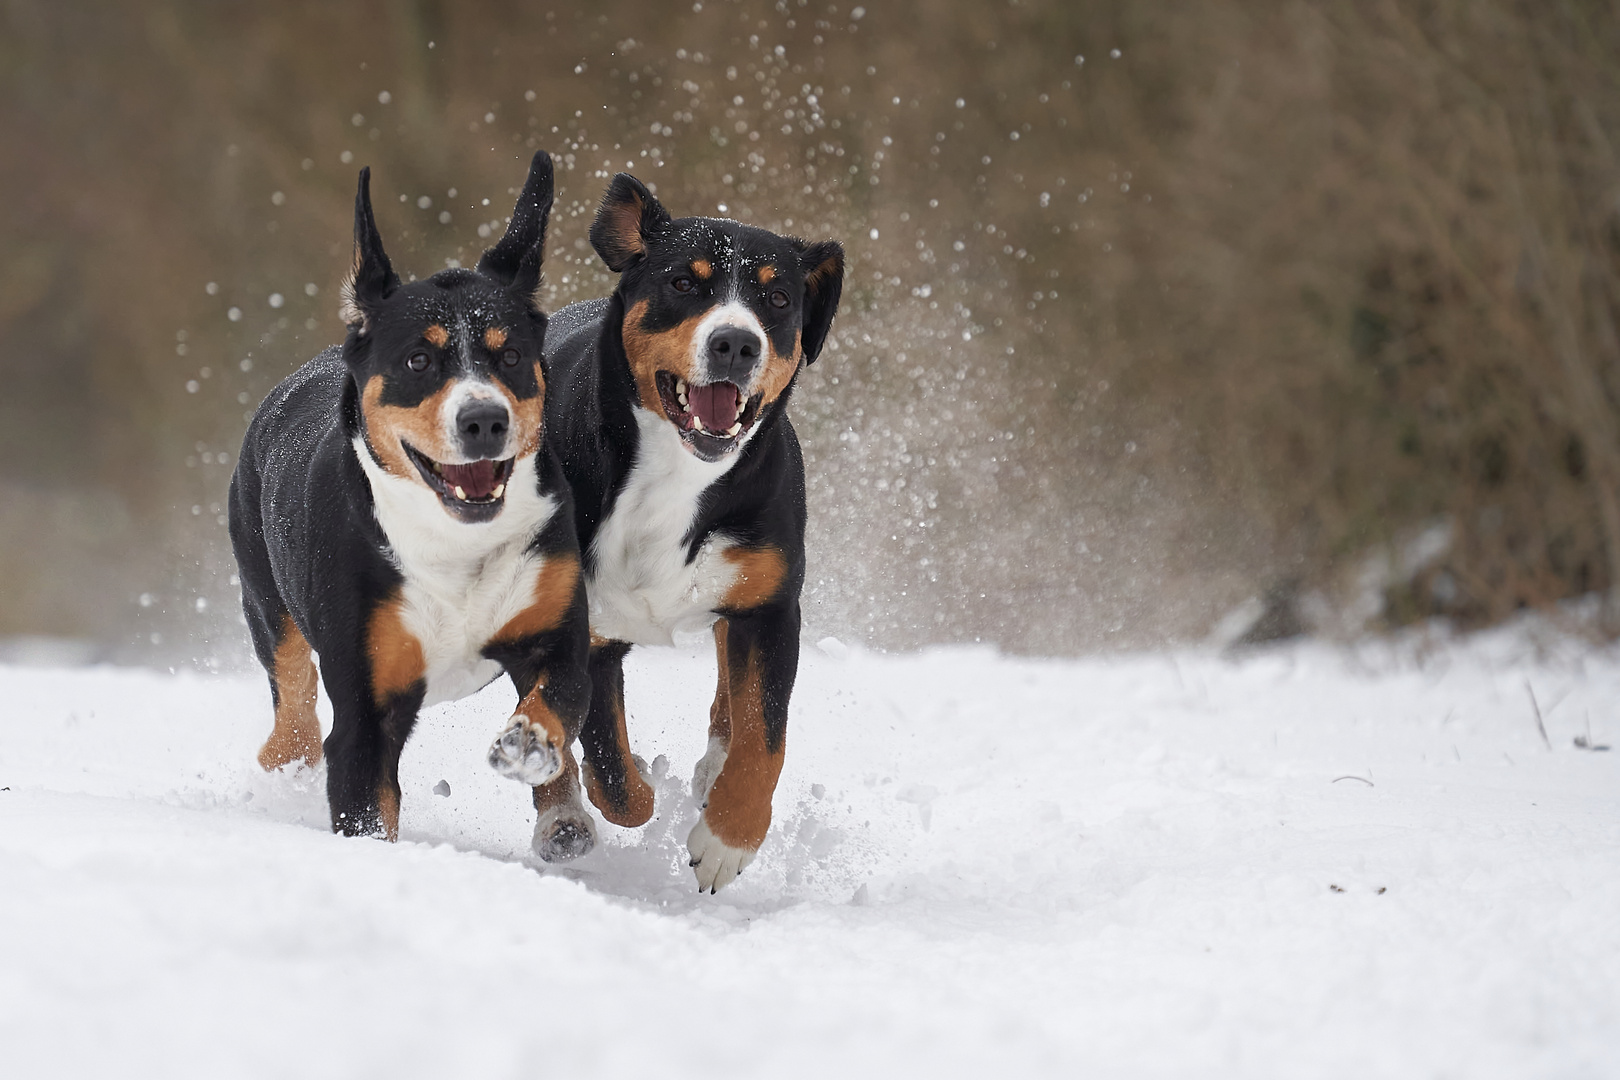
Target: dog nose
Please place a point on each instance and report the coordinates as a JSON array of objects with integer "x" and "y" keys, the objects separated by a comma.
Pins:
[
  {"x": 482, "y": 426},
  {"x": 733, "y": 352}
]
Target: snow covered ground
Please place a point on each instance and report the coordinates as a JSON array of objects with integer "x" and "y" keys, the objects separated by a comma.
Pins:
[{"x": 1308, "y": 863}]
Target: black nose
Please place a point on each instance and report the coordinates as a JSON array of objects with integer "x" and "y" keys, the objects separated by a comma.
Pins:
[
  {"x": 733, "y": 352},
  {"x": 482, "y": 426}
]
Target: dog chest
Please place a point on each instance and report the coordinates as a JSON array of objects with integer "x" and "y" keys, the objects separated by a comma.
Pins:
[{"x": 642, "y": 588}]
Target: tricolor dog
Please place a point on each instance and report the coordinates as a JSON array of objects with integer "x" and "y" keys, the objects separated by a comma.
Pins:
[
  {"x": 397, "y": 509},
  {"x": 668, "y": 408}
]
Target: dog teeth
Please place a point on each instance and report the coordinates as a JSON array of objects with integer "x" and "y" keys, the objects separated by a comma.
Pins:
[
  {"x": 697, "y": 422},
  {"x": 680, "y": 391},
  {"x": 500, "y": 489},
  {"x": 734, "y": 430},
  {"x": 460, "y": 494}
]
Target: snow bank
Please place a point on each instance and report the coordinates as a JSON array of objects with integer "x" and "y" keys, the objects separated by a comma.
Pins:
[{"x": 1306, "y": 863}]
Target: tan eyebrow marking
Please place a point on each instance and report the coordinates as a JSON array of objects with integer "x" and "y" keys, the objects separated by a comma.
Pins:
[
  {"x": 436, "y": 336},
  {"x": 703, "y": 268},
  {"x": 494, "y": 337},
  {"x": 767, "y": 274}
]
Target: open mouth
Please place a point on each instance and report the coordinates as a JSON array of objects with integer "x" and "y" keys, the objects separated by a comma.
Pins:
[
  {"x": 713, "y": 418},
  {"x": 474, "y": 490}
]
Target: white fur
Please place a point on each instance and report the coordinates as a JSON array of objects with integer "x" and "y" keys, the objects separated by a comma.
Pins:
[
  {"x": 642, "y": 589},
  {"x": 463, "y": 582},
  {"x": 715, "y": 862},
  {"x": 731, "y": 313},
  {"x": 708, "y": 769}
]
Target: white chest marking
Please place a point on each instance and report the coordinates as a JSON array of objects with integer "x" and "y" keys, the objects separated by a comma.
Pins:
[
  {"x": 462, "y": 582},
  {"x": 642, "y": 589}
]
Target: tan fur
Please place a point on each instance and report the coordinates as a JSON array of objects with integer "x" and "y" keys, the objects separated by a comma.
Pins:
[
  {"x": 623, "y": 223},
  {"x": 720, "y": 711},
  {"x": 388, "y": 810},
  {"x": 739, "y": 810},
  {"x": 668, "y": 350},
  {"x": 759, "y": 575},
  {"x": 494, "y": 338},
  {"x": 564, "y": 787},
  {"x": 386, "y": 425},
  {"x": 767, "y": 274},
  {"x": 437, "y": 336},
  {"x": 554, "y": 589},
  {"x": 703, "y": 269},
  {"x": 397, "y": 663},
  {"x": 779, "y": 371},
  {"x": 297, "y": 734},
  {"x": 534, "y": 707}
]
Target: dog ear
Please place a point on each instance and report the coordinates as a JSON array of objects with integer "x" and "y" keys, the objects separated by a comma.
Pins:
[
  {"x": 628, "y": 217},
  {"x": 823, "y": 266},
  {"x": 515, "y": 260},
  {"x": 372, "y": 279}
]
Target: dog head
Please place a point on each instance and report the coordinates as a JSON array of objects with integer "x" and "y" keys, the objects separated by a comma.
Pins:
[
  {"x": 449, "y": 370},
  {"x": 718, "y": 316}
]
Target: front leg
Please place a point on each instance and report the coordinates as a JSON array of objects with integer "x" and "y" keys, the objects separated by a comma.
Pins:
[
  {"x": 376, "y": 691},
  {"x": 544, "y": 650},
  {"x": 612, "y": 775},
  {"x": 759, "y": 653}
]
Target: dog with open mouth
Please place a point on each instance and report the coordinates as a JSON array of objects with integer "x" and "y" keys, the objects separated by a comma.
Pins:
[
  {"x": 398, "y": 510},
  {"x": 668, "y": 409}
]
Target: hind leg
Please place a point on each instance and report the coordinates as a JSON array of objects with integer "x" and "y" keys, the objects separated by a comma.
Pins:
[
  {"x": 297, "y": 734},
  {"x": 613, "y": 777}
]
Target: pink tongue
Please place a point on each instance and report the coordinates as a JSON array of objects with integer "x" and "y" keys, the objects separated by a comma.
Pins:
[
  {"x": 476, "y": 481},
  {"x": 715, "y": 405}
]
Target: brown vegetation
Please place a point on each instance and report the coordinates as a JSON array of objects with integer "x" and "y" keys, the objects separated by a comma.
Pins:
[{"x": 1124, "y": 340}]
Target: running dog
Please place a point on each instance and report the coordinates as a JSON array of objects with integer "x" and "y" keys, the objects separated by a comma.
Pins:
[
  {"x": 397, "y": 508},
  {"x": 668, "y": 408}
]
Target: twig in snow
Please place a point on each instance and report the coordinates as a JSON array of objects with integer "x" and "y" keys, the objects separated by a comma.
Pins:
[
  {"x": 1539, "y": 725},
  {"x": 1363, "y": 779}
]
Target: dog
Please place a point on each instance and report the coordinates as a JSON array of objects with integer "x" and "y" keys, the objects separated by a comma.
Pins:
[
  {"x": 397, "y": 508},
  {"x": 668, "y": 410}
]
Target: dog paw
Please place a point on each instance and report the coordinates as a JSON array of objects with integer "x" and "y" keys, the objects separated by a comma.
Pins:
[
  {"x": 707, "y": 768},
  {"x": 563, "y": 833},
  {"x": 715, "y": 862},
  {"x": 525, "y": 753}
]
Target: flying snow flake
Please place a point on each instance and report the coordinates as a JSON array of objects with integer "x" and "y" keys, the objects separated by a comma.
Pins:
[{"x": 234, "y": 314}]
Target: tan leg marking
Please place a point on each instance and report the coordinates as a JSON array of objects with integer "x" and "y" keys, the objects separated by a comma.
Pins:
[
  {"x": 396, "y": 657},
  {"x": 638, "y": 802},
  {"x": 759, "y": 575},
  {"x": 555, "y": 587},
  {"x": 388, "y": 810},
  {"x": 297, "y": 735},
  {"x": 649, "y": 353},
  {"x": 563, "y": 789},
  {"x": 720, "y": 711},
  {"x": 739, "y": 811}
]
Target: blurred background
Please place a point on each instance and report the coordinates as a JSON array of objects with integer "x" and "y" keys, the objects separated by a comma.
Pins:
[{"x": 1161, "y": 320}]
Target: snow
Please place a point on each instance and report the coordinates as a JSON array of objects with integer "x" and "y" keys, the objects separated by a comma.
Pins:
[{"x": 1147, "y": 865}]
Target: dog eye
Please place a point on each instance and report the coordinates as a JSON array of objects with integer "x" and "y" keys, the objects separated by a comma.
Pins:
[
  {"x": 779, "y": 299},
  {"x": 510, "y": 357},
  {"x": 417, "y": 361},
  {"x": 683, "y": 284}
]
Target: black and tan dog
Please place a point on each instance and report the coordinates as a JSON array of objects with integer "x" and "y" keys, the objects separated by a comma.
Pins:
[
  {"x": 397, "y": 509},
  {"x": 668, "y": 406}
]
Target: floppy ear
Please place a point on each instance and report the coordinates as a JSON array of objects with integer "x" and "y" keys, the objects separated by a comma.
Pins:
[
  {"x": 515, "y": 260},
  {"x": 628, "y": 217},
  {"x": 372, "y": 280},
  {"x": 823, "y": 266}
]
